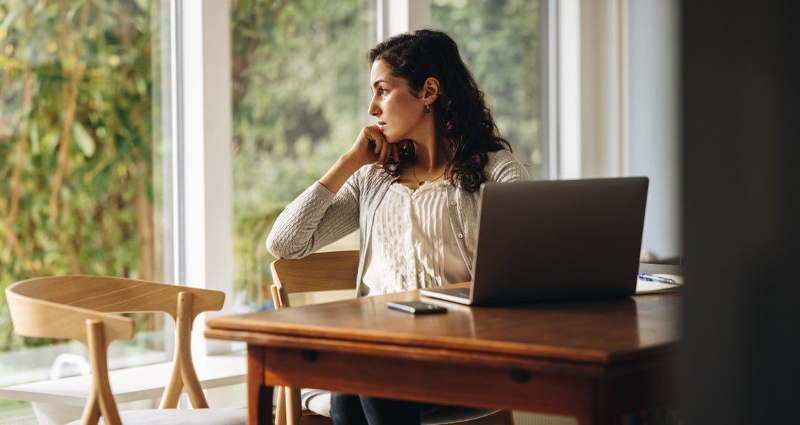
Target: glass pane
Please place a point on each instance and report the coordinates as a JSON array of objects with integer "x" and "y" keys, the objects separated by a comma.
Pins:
[
  {"x": 300, "y": 95},
  {"x": 80, "y": 177},
  {"x": 500, "y": 43}
]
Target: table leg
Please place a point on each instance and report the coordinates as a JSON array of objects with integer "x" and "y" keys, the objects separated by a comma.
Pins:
[
  {"x": 259, "y": 395},
  {"x": 586, "y": 417},
  {"x": 591, "y": 405}
]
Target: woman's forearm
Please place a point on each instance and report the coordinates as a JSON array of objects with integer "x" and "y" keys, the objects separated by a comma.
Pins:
[{"x": 335, "y": 178}]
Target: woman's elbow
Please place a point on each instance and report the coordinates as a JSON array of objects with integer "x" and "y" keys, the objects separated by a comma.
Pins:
[
  {"x": 275, "y": 248},
  {"x": 281, "y": 249}
]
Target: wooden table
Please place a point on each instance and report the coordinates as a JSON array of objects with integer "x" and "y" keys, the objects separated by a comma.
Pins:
[{"x": 594, "y": 360}]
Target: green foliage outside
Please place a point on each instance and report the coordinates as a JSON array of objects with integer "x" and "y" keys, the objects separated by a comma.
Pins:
[{"x": 76, "y": 143}]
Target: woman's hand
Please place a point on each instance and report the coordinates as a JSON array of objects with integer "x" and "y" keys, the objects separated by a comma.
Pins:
[{"x": 371, "y": 147}]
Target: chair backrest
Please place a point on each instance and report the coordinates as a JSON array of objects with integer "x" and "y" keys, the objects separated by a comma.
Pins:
[
  {"x": 81, "y": 307},
  {"x": 317, "y": 272}
]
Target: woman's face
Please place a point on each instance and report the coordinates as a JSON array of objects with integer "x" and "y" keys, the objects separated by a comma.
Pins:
[{"x": 399, "y": 113}]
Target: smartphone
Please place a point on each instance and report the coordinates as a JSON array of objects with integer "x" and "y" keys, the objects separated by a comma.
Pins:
[{"x": 415, "y": 307}]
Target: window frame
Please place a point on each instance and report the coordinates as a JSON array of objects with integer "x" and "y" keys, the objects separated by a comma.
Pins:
[
  {"x": 591, "y": 89},
  {"x": 202, "y": 167}
]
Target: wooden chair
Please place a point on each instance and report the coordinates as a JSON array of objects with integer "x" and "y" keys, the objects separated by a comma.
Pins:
[
  {"x": 324, "y": 272},
  {"x": 80, "y": 307}
]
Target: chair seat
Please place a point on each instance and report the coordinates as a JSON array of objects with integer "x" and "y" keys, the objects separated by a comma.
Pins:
[
  {"x": 237, "y": 416},
  {"x": 319, "y": 402}
]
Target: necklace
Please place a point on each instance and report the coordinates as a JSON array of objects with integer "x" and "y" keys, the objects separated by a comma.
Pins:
[{"x": 420, "y": 183}]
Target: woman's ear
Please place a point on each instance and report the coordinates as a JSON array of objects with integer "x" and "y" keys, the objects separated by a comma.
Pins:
[{"x": 431, "y": 90}]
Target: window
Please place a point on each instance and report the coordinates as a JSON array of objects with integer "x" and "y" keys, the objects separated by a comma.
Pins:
[
  {"x": 300, "y": 94},
  {"x": 84, "y": 166}
]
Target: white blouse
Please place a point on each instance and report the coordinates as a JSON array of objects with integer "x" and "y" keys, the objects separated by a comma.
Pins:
[{"x": 412, "y": 243}]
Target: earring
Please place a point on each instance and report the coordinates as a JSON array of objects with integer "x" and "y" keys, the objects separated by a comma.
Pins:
[{"x": 427, "y": 109}]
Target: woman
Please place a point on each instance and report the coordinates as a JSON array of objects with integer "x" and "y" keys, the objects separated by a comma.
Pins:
[{"x": 409, "y": 183}]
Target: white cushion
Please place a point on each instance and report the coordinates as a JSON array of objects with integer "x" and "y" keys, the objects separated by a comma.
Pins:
[
  {"x": 319, "y": 402},
  {"x": 181, "y": 417}
]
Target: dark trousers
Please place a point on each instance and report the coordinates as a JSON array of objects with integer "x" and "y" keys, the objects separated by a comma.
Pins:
[{"x": 360, "y": 410}]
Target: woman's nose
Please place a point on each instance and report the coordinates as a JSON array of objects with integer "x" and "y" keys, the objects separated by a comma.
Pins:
[{"x": 373, "y": 108}]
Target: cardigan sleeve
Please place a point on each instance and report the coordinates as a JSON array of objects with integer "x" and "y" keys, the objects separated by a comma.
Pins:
[
  {"x": 505, "y": 167},
  {"x": 317, "y": 218}
]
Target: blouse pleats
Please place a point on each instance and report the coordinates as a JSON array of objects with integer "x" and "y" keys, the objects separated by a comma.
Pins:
[{"x": 412, "y": 244}]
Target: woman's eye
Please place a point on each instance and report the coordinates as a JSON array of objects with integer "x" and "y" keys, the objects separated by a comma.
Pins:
[{"x": 382, "y": 91}]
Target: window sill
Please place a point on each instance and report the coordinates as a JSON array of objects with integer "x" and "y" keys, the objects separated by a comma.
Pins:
[{"x": 131, "y": 384}]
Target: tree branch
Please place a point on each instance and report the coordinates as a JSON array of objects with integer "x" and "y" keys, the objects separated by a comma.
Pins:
[
  {"x": 12, "y": 237},
  {"x": 70, "y": 96},
  {"x": 144, "y": 216},
  {"x": 23, "y": 133}
]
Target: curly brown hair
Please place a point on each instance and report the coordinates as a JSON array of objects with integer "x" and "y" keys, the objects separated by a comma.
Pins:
[{"x": 460, "y": 111}]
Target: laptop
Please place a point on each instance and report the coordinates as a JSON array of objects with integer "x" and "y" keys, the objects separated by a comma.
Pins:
[{"x": 555, "y": 240}]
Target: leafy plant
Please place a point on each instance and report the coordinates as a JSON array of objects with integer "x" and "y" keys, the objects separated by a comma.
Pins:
[{"x": 77, "y": 141}]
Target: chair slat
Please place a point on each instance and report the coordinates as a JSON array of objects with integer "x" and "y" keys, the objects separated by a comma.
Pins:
[
  {"x": 116, "y": 295},
  {"x": 36, "y": 318},
  {"x": 318, "y": 272}
]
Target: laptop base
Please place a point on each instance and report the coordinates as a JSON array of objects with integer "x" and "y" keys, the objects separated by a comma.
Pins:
[{"x": 461, "y": 295}]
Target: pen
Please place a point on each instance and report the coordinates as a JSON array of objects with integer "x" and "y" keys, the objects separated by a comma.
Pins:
[{"x": 651, "y": 278}]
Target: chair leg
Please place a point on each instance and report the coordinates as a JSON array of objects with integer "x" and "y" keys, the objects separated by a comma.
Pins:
[
  {"x": 91, "y": 413},
  {"x": 280, "y": 407},
  {"x": 101, "y": 387},
  {"x": 293, "y": 410}
]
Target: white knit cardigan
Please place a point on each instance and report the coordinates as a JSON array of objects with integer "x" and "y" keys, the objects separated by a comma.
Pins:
[{"x": 319, "y": 217}]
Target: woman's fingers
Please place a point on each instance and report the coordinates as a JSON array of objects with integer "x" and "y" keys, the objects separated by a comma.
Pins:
[
  {"x": 386, "y": 149},
  {"x": 382, "y": 147},
  {"x": 376, "y": 136},
  {"x": 378, "y": 143},
  {"x": 383, "y": 151},
  {"x": 363, "y": 152}
]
